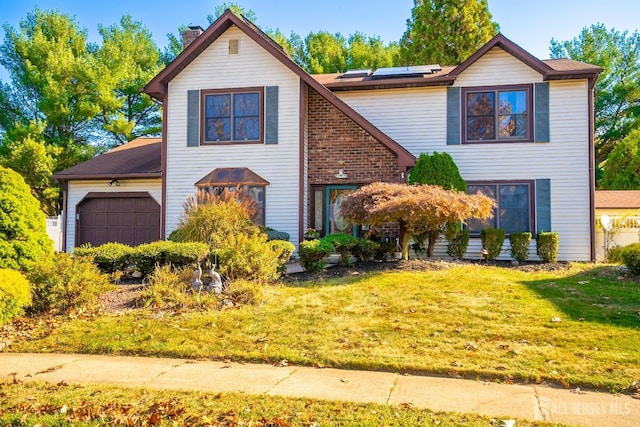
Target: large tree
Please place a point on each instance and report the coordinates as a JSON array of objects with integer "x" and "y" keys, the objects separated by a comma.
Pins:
[
  {"x": 621, "y": 171},
  {"x": 446, "y": 32},
  {"x": 51, "y": 71},
  {"x": 127, "y": 59},
  {"x": 617, "y": 92},
  {"x": 418, "y": 208}
]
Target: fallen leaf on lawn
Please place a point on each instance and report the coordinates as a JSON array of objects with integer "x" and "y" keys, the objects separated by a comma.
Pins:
[
  {"x": 583, "y": 282},
  {"x": 504, "y": 346},
  {"x": 283, "y": 363},
  {"x": 453, "y": 374},
  {"x": 556, "y": 319},
  {"x": 406, "y": 405},
  {"x": 51, "y": 369},
  {"x": 154, "y": 418},
  {"x": 471, "y": 346},
  {"x": 455, "y": 363}
]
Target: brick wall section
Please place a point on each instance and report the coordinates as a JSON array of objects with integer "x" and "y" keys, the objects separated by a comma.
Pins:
[
  {"x": 335, "y": 138},
  {"x": 337, "y": 142}
]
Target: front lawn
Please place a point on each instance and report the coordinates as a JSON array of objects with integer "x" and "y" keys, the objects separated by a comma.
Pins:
[{"x": 576, "y": 327}]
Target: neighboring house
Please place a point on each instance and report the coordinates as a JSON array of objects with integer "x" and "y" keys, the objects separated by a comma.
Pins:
[
  {"x": 238, "y": 111},
  {"x": 621, "y": 209}
]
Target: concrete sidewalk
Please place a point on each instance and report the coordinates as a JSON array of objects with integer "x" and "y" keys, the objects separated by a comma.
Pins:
[{"x": 438, "y": 394}]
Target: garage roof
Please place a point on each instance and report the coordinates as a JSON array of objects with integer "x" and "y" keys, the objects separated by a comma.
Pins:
[
  {"x": 140, "y": 158},
  {"x": 617, "y": 199}
]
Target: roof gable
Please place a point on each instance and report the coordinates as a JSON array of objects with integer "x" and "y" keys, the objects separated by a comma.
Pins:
[{"x": 158, "y": 86}]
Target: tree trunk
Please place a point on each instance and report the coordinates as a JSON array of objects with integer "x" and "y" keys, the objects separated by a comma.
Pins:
[
  {"x": 433, "y": 237},
  {"x": 405, "y": 245}
]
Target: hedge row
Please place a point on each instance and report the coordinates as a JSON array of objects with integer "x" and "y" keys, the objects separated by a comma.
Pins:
[{"x": 112, "y": 257}]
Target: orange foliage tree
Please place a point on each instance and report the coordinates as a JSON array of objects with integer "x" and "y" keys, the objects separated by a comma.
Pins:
[{"x": 418, "y": 208}]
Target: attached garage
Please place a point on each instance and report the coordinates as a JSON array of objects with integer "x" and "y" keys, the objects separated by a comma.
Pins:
[
  {"x": 131, "y": 218},
  {"x": 114, "y": 197}
]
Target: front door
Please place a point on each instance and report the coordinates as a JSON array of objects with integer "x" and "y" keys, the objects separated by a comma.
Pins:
[{"x": 334, "y": 221}]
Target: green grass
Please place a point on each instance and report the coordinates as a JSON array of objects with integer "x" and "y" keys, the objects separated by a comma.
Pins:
[
  {"x": 473, "y": 321},
  {"x": 30, "y": 404}
]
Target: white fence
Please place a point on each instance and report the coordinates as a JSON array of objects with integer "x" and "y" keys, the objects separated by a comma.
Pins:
[
  {"x": 624, "y": 231},
  {"x": 54, "y": 230}
]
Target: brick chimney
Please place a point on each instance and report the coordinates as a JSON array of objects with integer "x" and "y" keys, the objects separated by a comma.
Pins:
[{"x": 189, "y": 35}]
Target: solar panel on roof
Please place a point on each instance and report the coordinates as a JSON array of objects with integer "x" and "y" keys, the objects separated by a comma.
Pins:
[
  {"x": 411, "y": 71},
  {"x": 357, "y": 73}
]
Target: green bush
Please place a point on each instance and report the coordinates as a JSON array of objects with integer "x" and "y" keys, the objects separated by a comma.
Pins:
[
  {"x": 109, "y": 257},
  {"x": 343, "y": 244},
  {"x": 520, "y": 245},
  {"x": 365, "y": 249},
  {"x": 66, "y": 284},
  {"x": 547, "y": 246},
  {"x": 23, "y": 227},
  {"x": 312, "y": 252},
  {"x": 437, "y": 169},
  {"x": 492, "y": 241},
  {"x": 275, "y": 234},
  {"x": 145, "y": 257},
  {"x": 14, "y": 294},
  {"x": 285, "y": 248},
  {"x": 631, "y": 257},
  {"x": 614, "y": 256},
  {"x": 457, "y": 241},
  {"x": 249, "y": 256}
]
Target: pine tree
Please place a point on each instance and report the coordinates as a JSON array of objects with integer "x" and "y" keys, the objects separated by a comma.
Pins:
[{"x": 446, "y": 32}]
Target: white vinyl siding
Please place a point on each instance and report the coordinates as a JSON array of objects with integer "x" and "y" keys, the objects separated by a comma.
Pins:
[
  {"x": 277, "y": 163},
  {"x": 79, "y": 189},
  {"x": 416, "y": 118}
]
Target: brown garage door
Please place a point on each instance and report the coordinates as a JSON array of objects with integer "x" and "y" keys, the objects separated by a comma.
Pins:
[{"x": 132, "y": 220}]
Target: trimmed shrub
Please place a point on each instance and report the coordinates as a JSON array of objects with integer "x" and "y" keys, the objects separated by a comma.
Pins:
[
  {"x": 614, "y": 256},
  {"x": 275, "y": 234},
  {"x": 520, "y": 245},
  {"x": 23, "y": 227},
  {"x": 343, "y": 244},
  {"x": 365, "y": 249},
  {"x": 457, "y": 241},
  {"x": 631, "y": 257},
  {"x": 109, "y": 257},
  {"x": 14, "y": 294},
  {"x": 547, "y": 246},
  {"x": 437, "y": 169},
  {"x": 285, "y": 248},
  {"x": 145, "y": 257},
  {"x": 492, "y": 241},
  {"x": 249, "y": 256},
  {"x": 312, "y": 252},
  {"x": 66, "y": 284}
]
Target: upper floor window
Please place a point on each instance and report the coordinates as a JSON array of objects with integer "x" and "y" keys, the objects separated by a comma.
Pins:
[
  {"x": 232, "y": 116},
  {"x": 494, "y": 114},
  {"x": 514, "y": 211}
]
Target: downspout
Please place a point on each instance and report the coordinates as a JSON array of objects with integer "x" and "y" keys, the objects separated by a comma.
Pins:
[
  {"x": 592, "y": 175},
  {"x": 65, "y": 196}
]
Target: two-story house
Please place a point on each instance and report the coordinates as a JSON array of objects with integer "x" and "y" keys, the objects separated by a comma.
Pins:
[{"x": 238, "y": 111}]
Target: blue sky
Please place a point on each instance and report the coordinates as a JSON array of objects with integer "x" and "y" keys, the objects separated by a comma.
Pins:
[{"x": 531, "y": 24}]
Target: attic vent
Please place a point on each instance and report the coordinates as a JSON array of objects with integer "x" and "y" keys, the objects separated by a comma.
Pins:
[
  {"x": 233, "y": 47},
  {"x": 413, "y": 71},
  {"x": 356, "y": 73}
]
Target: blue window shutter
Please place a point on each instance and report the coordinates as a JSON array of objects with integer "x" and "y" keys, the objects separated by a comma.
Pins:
[
  {"x": 453, "y": 115},
  {"x": 271, "y": 115},
  {"x": 541, "y": 124},
  {"x": 193, "y": 118},
  {"x": 543, "y": 205}
]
